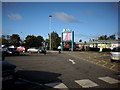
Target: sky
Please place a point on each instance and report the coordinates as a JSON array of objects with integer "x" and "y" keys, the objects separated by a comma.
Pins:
[{"x": 88, "y": 20}]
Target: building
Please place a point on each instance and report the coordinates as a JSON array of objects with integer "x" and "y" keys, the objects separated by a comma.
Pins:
[{"x": 97, "y": 44}]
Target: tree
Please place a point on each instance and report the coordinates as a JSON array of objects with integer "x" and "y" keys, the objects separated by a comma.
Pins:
[
  {"x": 104, "y": 37},
  {"x": 112, "y": 37},
  {"x": 80, "y": 40},
  {"x": 6, "y": 40},
  {"x": 15, "y": 40},
  {"x": 33, "y": 41},
  {"x": 55, "y": 40},
  {"x": 39, "y": 41}
]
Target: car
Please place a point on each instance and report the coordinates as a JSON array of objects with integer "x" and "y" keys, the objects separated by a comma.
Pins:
[
  {"x": 20, "y": 49},
  {"x": 9, "y": 74},
  {"x": 5, "y": 53},
  {"x": 36, "y": 50},
  {"x": 115, "y": 54},
  {"x": 9, "y": 51}
]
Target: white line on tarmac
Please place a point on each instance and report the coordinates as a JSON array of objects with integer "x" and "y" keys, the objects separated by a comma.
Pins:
[
  {"x": 72, "y": 61},
  {"x": 56, "y": 85},
  {"x": 109, "y": 80},
  {"x": 86, "y": 83}
]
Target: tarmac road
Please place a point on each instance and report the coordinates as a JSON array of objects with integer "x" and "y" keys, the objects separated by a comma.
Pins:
[{"x": 63, "y": 71}]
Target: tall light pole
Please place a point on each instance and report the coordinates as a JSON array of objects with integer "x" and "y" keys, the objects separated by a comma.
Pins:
[
  {"x": 21, "y": 38},
  {"x": 50, "y": 18}
]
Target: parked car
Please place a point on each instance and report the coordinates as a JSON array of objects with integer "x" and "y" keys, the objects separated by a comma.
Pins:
[
  {"x": 115, "y": 54},
  {"x": 9, "y": 74},
  {"x": 37, "y": 50},
  {"x": 20, "y": 49},
  {"x": 9, "y": 51},
  {"x": 5, "y": 53}
]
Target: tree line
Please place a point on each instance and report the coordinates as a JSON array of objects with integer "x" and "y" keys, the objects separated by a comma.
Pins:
[
  {"x": 105, "y": 37},
  {"x": 31, "y": 40},
  {"x": 39, "y": 41}
]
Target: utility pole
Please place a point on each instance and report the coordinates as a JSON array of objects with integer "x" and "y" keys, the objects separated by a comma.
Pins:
[{"x": 50, "y": 19}]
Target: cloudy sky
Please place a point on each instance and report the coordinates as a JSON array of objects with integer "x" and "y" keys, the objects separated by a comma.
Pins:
[{"x": 88, "y": 19}]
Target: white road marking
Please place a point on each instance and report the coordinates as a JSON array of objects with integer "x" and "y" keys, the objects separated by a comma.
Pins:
[
  {"x": 72, "y": 61},
  {"x": 109, "y": 80},
  {"x": 86, "y": 83},
  {"x": 56, "y": 85}
]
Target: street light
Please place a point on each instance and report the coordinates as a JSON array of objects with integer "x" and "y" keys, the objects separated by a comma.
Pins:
[{"x": 50, "y": 21}]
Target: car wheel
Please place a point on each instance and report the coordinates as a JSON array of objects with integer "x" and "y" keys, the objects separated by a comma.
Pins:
[
  {"x": 44, "y": 52},
  {"x": 112, "y": 60}
]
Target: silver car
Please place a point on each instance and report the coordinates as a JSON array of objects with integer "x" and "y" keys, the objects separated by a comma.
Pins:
[
  {"x": 115, "y": 54},
  {"x": 33, "y": 49},
  {"x": 37, "y": 50}
]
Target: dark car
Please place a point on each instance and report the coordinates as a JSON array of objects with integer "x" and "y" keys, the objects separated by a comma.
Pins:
[
  {"x": 9, "y": 51},
  {"x": 42, "y": 51},
  {"x": 9, "y": 71}
]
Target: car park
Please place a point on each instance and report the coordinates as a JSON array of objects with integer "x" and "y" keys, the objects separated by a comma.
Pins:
[
  {"x": 36, "y": 50},
  {"x": 115, "y": 54}
]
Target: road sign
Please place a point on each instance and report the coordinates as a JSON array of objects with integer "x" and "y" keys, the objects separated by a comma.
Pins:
[{"x": 67, "y": 36}]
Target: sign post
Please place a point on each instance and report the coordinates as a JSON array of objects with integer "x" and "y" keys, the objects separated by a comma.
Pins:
[{"x": 72, "y": 41}]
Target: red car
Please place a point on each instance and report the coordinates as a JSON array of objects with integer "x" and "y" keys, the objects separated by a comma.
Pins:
[{"x": 21, "y": 49}]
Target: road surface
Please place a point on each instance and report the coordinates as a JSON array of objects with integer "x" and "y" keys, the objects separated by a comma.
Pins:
[{"x": 63, "y": 71}]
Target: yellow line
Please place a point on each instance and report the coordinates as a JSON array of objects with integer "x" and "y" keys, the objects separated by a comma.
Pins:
[
  {"x": 105, "y": 63},
  {"x": 98, "y": 63},
  {"x": 112, "y": 66}
]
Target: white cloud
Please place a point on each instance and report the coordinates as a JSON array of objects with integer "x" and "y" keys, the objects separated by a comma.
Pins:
[
  {"x": 15, "y": 16},
  {"x": 65, "y": 17}
]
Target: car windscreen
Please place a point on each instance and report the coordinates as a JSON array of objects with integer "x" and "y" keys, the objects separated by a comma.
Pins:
[
  {"x": 116, "y": 49},
  {"x": 4, "y": 49},
  {"x": 11, "y": 49}
]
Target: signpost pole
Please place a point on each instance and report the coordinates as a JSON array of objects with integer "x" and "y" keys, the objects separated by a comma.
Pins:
[
  {"x": 62, "y": 42},
  {"x": 72, "y": 40}
]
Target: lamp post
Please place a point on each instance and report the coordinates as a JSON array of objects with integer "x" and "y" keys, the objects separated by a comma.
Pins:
[
  {"x": 50, "y": 21},
  {"x": 21, "y": 39}
]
